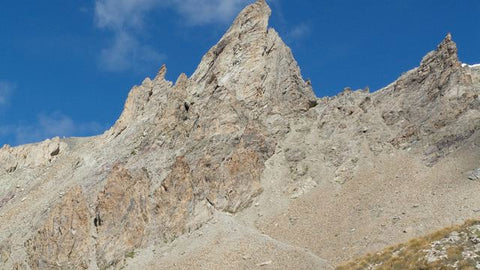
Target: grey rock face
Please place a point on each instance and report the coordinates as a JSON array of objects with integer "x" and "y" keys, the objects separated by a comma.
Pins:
[
  {"x": 203, "y": 142},
  {"x": 64, "y": 240},
  {"x": 244, "y": 127}
]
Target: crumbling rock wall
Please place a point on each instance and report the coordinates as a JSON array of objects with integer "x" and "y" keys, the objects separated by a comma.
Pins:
[
  {"x": 30, "y": 156},
  {"x": 64, "y": 240},
  {"x": 181, "y": 152},
  {"x": 428, "y": 101},
  {"x": 121, "y": 215}
]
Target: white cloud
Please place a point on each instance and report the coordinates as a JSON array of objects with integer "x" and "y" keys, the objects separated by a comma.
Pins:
[
  {"x": 49, "y": 126},
  {"x": 125, "y": 19},
  {"x": 298, "y": 32},
  {"x": 199, "y": 12},
  {"x": 119, "y": 14},
  {"x": 127, "y": 52},
  {"x": 6, "y": 89}
]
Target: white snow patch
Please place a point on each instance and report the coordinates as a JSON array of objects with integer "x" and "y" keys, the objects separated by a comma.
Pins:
[{"x": 470, "y": 66}]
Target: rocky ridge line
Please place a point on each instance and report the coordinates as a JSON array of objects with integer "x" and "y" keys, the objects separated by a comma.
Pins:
[{"x": 183, "y": 153}]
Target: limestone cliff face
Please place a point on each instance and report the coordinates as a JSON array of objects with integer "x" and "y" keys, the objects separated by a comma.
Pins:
[
  {"x": 64, "y": 239},
  {"x": 23, "y": 157},
  {"x": 245, "y": 128},
  {"x": 433, "y": 104},
  {"x": 253, "y": 64},
  {"x": 121, "y": 215},
  {"x": 211, "y": 131}
]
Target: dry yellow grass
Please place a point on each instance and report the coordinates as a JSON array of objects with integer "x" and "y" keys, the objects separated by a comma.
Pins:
[{"x": 412, "y": 255}]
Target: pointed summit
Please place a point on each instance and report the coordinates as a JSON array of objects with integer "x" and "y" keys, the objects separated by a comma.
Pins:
[
  {"x": 448, "y": 37},
  {"x": 253, "y": 17},
  {"x": 438, "y": 70},
  {"x": 161, "y": 73},
  {"x": 253, "y": 64},
  {"x": 448, "y": 47},
  {"x": 445, "y": 56}
]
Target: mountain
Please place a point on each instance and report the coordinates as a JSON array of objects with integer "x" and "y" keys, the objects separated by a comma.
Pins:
[{"x": 241, "y": 166}]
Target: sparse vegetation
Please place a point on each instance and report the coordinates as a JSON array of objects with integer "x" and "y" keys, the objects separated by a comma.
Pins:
[
  {"x": 130, "y": 254},
  {"x": 455, "y": 247}
]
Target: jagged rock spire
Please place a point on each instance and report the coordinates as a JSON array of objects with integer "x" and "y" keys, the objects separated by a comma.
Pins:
[
  {"x": 434, "y": 72},
  {"x": 445, "y": 56},
  {"x": 252, "y": 63},
  {"x": 161, "y": 73},
  {"x": 181, "y": 81},
  {"x": 253, "y": 17}
]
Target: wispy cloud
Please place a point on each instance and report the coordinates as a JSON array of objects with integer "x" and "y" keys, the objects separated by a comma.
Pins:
[
  {"x": 198, "y": 12},
  {"x": 6, "y": 89},
  {"x": 298, "y": 32},
  {"x": 49, "y": 126},
  {"x": 125, "y": 20},
  {"x": 121, "y": 14},
  {"x": 128, "y": 52}
]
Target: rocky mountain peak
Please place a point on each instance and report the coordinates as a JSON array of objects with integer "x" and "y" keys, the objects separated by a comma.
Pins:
[
  {"x": 444, "y": 57},
  {"x": 242, "y": 147},
  {"x": 250, "y": 65},
  {"x": 254, "y": 65},
  {"x": 161, "y": 73},
  {"x": 253, "y": 18},
  {"x": 437, "y": 71}
]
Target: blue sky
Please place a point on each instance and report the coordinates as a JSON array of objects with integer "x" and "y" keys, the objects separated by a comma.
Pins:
[{"x": 67, "y": 65}]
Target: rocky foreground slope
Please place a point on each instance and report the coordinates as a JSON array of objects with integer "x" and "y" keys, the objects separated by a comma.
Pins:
[
  {"x": 456, "y": 247},
  {"x": 241, "y": 166}
]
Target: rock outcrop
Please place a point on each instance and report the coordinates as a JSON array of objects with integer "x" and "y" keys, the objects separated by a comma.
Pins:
[
  {"x": 121, "y": 215},
  {"x": 64, "y": 239},
  {"x": 243, "y": 149},
  {"x": 429, "y": 100},
  {"x": 450, "y": 248},
  {"x": 23, "y": 157}
]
